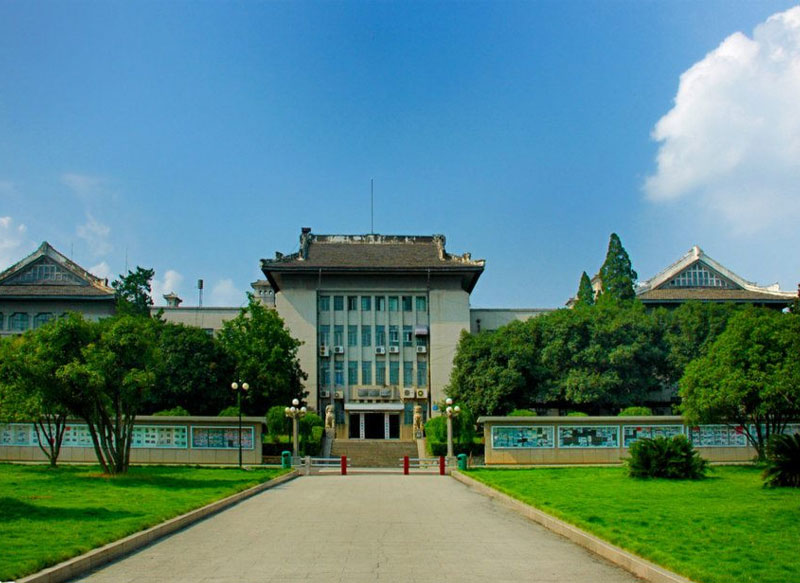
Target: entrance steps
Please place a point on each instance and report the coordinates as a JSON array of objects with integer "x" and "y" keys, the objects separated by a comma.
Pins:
[{"x": 374, "y": 453}]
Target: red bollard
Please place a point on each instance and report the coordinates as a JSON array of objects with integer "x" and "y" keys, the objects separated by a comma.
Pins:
[
  {"x": 344, "y": 465},
  {"x": 441, "y": 465},
  {"x": 405, "y": 465}
]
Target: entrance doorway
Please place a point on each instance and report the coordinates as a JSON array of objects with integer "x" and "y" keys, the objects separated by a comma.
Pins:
[{"x": 379, "y": 425}]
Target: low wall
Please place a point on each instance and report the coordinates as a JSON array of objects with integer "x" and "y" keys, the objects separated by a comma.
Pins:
[
  {"x": 601, "y": 440},
  {"x": 156, "y": 440}
]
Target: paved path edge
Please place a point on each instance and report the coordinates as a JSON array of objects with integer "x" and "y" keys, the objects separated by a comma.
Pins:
[
  {"x": 96, "y": 557},
  {"x": 636, "y": 565}
]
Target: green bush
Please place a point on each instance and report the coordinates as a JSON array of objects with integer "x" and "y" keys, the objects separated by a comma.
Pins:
[
  {"x": 636, "y": 412},
  {"x": 577, "y": 414},
  {"x": 277, "y": 422},
  {"x": 662, "y": 457},
  {"x": 783, "y": 455},
  {"x": 232, "y": 411},
  {"x": 522, "y": 413},
  {"x": 174, "y": 412},
  {"x": 307, "y": 423}
]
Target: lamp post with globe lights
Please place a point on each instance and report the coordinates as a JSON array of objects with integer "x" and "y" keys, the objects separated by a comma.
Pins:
[
  {"x": 450, "y": 412},
  {"x": 238, "y": 389},
  {"x": 296, "y": 413}
]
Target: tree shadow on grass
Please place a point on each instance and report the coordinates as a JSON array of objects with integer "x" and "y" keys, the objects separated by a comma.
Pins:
[
  {"x": 14, "y": 509},
  {"x": 171, "y": 483}
]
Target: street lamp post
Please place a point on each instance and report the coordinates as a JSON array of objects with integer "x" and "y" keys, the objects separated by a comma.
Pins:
[
  {"x": 450, "y": 412},
  {"x": 296, "y": 414},
  {"x": 238, "y": 390}
]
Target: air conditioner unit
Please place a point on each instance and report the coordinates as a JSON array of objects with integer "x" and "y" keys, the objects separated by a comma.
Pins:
[
  {"x": 325, "y": 394},
  {"x": 394, "y": 350},
  {"x": 324, "y": 351},
  {"x": 338, "y": 395},
  {"x": 422, "y": 349},
  {"x": 422, "y": 393},
  {"x": 338, "y": 349},
  {"x": 380, "y": 350},
  {"x": 409, "y": 393}
]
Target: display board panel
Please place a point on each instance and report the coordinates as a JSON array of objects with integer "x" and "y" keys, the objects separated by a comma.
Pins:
[
  {"x": 588, "y": 436},
  {"x": 522, "y": 437},
  {"x": 717, "y": 436},
  {"x": 161, "y": 437},
  {"x": 77, "y": 435},
  {"x": 632, "y": 433},
  {"x": 221, "y": 437},
  {"x": 17, "y": 434}
]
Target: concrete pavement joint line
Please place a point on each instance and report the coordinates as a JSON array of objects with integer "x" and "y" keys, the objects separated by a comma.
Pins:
[
  {"x": 628, "y": 561},
  {"x": 76, "y": 566}
]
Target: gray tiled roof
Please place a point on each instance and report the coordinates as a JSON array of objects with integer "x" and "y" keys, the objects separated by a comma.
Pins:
[
  {"x": 54, "y": 291},
  {"x": 710, "y": 294}
]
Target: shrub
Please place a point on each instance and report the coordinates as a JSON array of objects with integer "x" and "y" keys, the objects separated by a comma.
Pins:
[
  {"x": 232, "y": 411},
  {"x": 522, "y": 413},
  {"x": 174, "y": 412},
  {"x": 277, "y": 422},
  {"x": 307, "y": 423},
  {"x": 663, "y": 457},
  {"x": 635, "y": 412},
  {"x": 577, "y": 414},
  {"x": 783, "y": 455}
]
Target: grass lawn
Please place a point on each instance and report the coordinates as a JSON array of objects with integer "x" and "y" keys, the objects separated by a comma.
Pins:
[
  {"x": 49, "y": 515},
  {"x": 726, "y": 528}
]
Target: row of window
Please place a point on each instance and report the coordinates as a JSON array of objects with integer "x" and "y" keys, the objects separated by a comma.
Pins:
[
  {"x": 395, "y": 303},
  {"x": 366, "y": 336},
  {"x": 20, "y": 321},
  {"x": 380, "y": 373}
]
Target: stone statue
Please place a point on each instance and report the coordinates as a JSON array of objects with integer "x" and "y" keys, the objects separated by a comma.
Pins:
[
  {"x": 418, "y": 421},
  {"x": 330, "y": 418}
]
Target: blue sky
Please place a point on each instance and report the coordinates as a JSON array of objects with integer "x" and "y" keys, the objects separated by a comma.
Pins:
[{"x": 197, "y": 138}]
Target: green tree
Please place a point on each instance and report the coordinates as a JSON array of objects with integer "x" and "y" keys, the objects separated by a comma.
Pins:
[
  {"x": 133, "y": 292},
  {"x": 617, "y": 275},
  {"x": 194, "y": 371},
  {"x": 263, "y": 354},
  {"x": 585, "y": 296},
  {"x": 749, "y": 378},
  {"x": 107, "y": 389},
  {"x": 30, "y": 386}
]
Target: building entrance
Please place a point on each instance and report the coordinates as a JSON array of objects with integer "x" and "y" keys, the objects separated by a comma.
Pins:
[{"x": 379, "y": 425}]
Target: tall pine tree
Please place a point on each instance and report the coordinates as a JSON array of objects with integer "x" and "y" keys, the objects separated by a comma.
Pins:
[
  {"x": 617, "y": 275},
  {"x": 585, "y": 292}
]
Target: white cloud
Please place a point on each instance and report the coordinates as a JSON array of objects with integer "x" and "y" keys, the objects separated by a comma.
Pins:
[
  {"x": 96, "y": 235},
  {"x": 225, "y": 293},
  {"x": 84, "y": 185},
  {"x": 171, "y": 282},
  {"x": 730, "y": 146},
  {"x": 101, "y": 270},
  {"x": 13, "y": 242}
]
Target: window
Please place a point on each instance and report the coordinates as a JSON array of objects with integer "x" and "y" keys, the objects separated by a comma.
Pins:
[
  {"x": 366, "y": 303},
  {"x": 392, "y": 303},
  {"x": 1, "y": 320},
  {"x": 325, "y": 373},
  {"x": 366, "y": 373},
  {"x": 406, "y": 303},
  {"x": 408, "y": 336},
  {"x": 394, "y": 339},
  {"x": 352, "y": 372},
  {"x": 422, "y": 304},
  {"x": 352, "y": 335},
  {"x": 698, "y": 275},
  {"x": 422, "y": 373},
  {"x": 18, "y": 322},
  {"x": 338, "y": 373},
  {"x": 380, "y": 304},
  {"x": 324, "y": 335},
  {"x": 420, "y": 340},
  {"x": 408, "y": 373},
  {"x": 352, "y": 303},
  {"x": 324, "y": 303},
  {"x": 394, "y": 372},
  {"x": 338, "y": 303},
  {"x": 380, "y": 373},
  {"x": 338, "y": 335},
  {"x": 380, "y": 335},
  {"x": 366, "y": 336},
  {"x": 42, "y": 318}
]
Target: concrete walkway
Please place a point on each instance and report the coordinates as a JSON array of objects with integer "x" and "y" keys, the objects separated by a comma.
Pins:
[{"x": 364, "y": 528}]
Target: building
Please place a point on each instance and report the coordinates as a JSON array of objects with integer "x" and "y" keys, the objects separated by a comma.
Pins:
[
  {"x": 379, "y": 318},
  {"x": 45, "y": 285}
]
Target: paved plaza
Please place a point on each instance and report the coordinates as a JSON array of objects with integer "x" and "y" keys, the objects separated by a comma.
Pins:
[{"x": 364, "y": 528}]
